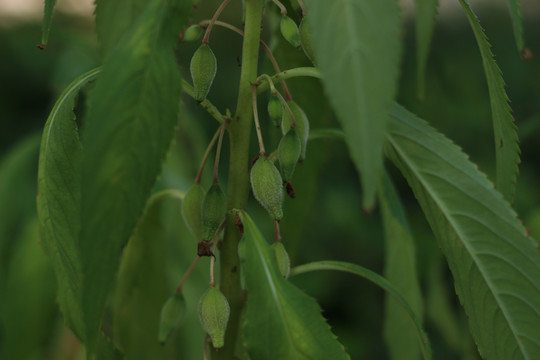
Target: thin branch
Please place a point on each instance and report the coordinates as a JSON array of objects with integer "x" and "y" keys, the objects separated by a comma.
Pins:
[{"x": 214, "y": 18}]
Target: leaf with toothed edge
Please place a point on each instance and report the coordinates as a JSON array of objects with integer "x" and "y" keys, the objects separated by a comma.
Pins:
[
  {"x": 496, "y": 266},
  {"x": 281, "y": 322}
]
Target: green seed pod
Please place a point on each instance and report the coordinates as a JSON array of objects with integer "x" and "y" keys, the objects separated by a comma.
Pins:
[
  {"x": 266, "y": 184},
  {"x": 214, "y": 314},
  {"x": 275, "y": 110},
  {"x": 305, "y": 39},
  {"x": 289, "y": 30},
  {"x": 192, "y": 33},
  {"x": 302, "y": 125},
  {"x": 289, "y": 150},
  {"x": 203, "y": 69},
  {"x": 192, "y": 210},
  {"x": 172, "y": 314},
  {"x": 283, "y": 261},
  {"x": 214, "y": 209}
]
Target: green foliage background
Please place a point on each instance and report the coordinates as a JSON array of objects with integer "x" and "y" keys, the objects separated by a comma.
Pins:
[{"x": 328, "y": 221}]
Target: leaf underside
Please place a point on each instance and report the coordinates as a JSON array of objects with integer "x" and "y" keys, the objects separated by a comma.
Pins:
[
  {"x": 358, "y": 47},
  {"x": 496, "y": 267},
  {"x": 281, "y": 322}
]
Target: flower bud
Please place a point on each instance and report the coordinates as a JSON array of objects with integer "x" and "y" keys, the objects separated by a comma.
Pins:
[
  {"x": 266, "y": 184},
  {"x": 192, "y": 210},
  {"x": 172, "y": 314},
  {"x": 214, "y": 209},
  {"x": 283, "y": 261},
  {"x": 289, "y": 30},
  {"x": 288, "y": 154},
  {"x": 302, "y": 125},
  {"x": 203, "y": 70},
  {"x": 275, "y": 110},
  {"x": 305, "y": 39},
  {"x": 214, "y": 314},
  {"x": 192, "y": 33}
]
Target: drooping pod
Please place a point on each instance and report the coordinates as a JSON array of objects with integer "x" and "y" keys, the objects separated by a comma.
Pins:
[
  {"x": 214, "y": 209},
  {"x": 289, "y": 30},
  {"x": 305, "y": 39},
  {"x": 214, "y": 313},
  {"x": 192, "y": 210},
  {"x": 172, "y": 314},
  {"x": 275, "y": 110},
  {"x": 266, "y": 184},
  {"x": 192, "y": 33},
  {"x": 289, "y": 150},
  {"x": 302, "y": 125},
  {"x": 203, "y": 69},
  {"x": 282, "y": 257}
]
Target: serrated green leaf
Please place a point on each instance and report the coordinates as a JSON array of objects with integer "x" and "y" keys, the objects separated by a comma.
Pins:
[
  {"x": 496, "y": 267},
  {"x": 281, "y": 322},
  {"x": 58, "y": 200},
  {"x": 506, "y": 140},
  {"x": 426, "y": 12},
  {"x": 400, "y": 269},
  {"x": 517, "y": 23},
  {"x": 143, "y": 287},
  {"x": 47, "y": 20},
  {"x": 377, "y": 280},
  {"x": 132, "y": 115},
  {"x": 357, "y": 46}
]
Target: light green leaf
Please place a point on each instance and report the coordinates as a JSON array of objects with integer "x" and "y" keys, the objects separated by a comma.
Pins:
[
  {"x": 496, "y": 267},
  {"x": 58, "y": 200},
  {"x": 506, "y": 140},
  {"x": 132, "y": 115},
  {"x": 426, "y": 12},
  {"x": 377, "y": 280},
  {"x": 143, "y": 287},
  {"x": 47, "y": 20},
  {"x": 357, "y": 46},
  {"x": 281, "y": 322},
  {"x": 400, "y": 270},
  {"x": 517, "y": 23}
]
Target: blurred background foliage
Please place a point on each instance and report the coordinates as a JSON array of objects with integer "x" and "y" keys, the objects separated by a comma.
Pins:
[{"x": 325, "y": 221}]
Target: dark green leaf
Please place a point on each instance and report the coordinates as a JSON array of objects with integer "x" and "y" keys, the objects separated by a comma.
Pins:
[
  {"x": 357, "y": 46},
  {"x": 376, "y": 279},
  {"x": 47, "y": 20},
  {"x": 132, "y": 116},
  {"x": 517, "y": 23},
  {"x": 400, "y": 270},
  {"x": 506, "y": 140},
  {"x": 281, "y": 322},
  {"x": 496, "y": 267},
  {"x": 58, "y": 201},
  {"x": 426, "y": 11}
]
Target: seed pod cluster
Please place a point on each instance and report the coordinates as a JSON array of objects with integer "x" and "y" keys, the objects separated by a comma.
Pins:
[
  {"x": 192, "y": 210},
  {"x": 275, "y": 111},
  {"x": 305, "y": 39},
  {"x": 172, "y": 314},
  {"x": 266, "y": 184},
  {"x": 203, "y": 69},
  {"x": 214, "y": 209},
  {"x": 302, "y": 125},
  {"x": 282, "y": 257},
  {"x": 289, "y": 30},
  {"x": 214, "y": 314},
  {"x": 289, "y": 150}
]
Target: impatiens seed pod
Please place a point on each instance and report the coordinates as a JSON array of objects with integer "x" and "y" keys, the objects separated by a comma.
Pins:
[
  {"x": 305, "y": 39},
  {"x": 284, "y": 264},
  {"x": 288, "y": 154},
  {"x": 302, "y": 125},
  {"x": 289, "y": 30},
  {"x": 266, "y": 184},
  {"x": 275, "y": 111},
  {"x": 192, "y": 33},
  {"x": 192, "y": 210},
  {"x": 214, "y": 314},
  {"x": 203, "y": 69},
  {"x": 214, "y": 209},
  {"x": 172, "y": 314}
]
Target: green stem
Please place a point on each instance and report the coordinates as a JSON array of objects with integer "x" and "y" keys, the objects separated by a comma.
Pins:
[
  {"x": 287, "y": 74},
  {"x": 239, "y": 187}
]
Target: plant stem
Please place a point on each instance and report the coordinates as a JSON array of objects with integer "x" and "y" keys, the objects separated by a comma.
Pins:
[
  {"x": 291, "y": 73},
  {"x": 186, "y": 275},
  {"x": 262, "y": 151},
  {"x": 239, "y": 187},
  {"x": 214, "y": 18},
  {"x": 207, "y": 154},
  {"x": 218, "y": 150}
]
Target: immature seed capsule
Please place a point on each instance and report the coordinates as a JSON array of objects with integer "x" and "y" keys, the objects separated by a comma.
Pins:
[
  {"x": 275, "y": 110},
  {"x": 192, "y": 210},
  {"x": 266, "y": 184},
  {"x": 302, "y": 125},
  {"x": 203, "y": 69},
  {"x": 288, "y": 153},
  {"x": 283, "y": 261},
  {"x": 214, "y": 314},
  {"x": 192, "y": 33},
  {"x": 172, "y": 314},
  {"x": 214, "y": 210},
  {"x": 305, "y": 39},
  {"x": 289, "y": 30}
]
